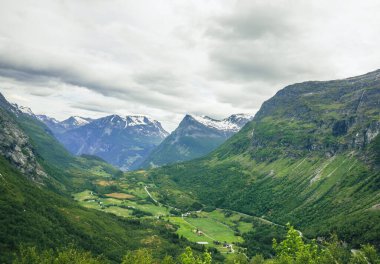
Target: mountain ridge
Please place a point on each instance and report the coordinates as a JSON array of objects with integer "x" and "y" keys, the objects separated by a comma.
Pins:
[
  {"x": 121, "y": 141},
  {"x": 194, "y": 137}
]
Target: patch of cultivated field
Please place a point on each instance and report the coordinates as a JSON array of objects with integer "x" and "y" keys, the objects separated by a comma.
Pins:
[
  {"x": 120, "y": 195},
  {"x": 139, "y": 192},
  {"x": 90, "y": 204},
  {"x": 85, "y": 195},
  {"x": 187, "y": 230},
  {"x": 214, "y": 229},
  {"x": 105, "y": 183},
  {"x": 148, "y": 207},
  {"x": 118, "y": 211}
]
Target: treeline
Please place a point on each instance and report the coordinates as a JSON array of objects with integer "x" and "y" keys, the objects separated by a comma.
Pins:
[
  {"x": 292, "y": 250},
  {"x": 30, "y": 255}
]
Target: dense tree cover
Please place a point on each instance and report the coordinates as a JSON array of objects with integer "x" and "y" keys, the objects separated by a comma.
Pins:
[
  {"x": 36, "y": 216},
  {"x": 30, "y": 255},
  {"x": 292, "y": 250}
]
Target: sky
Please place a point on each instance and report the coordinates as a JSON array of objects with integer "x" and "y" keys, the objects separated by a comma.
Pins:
[{"x": 165, "y": 59}]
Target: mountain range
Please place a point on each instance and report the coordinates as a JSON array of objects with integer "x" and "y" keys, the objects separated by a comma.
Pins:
[
  {"x": 121, "y": 141},
  {"x": 194, "y": 137},
  {"x": 135, "y": 142}
]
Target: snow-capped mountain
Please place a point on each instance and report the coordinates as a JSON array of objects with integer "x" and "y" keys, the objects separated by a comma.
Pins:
[
  {"x": 59, "y": 127},
  {"x": 194, "y": 137},
  {"x": 24, "y": 109},
  {"x": 75, "y": 121},
  {"x": 231, "y": 124},
  {"x": 122, "y": 141},
  {"x": 18, "y": 109}
]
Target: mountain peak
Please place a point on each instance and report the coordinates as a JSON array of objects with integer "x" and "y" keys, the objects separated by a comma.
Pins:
[{"x": 232, "y": 123}]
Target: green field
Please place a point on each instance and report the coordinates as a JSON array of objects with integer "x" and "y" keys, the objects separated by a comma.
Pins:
[{"x": 217, "y": 225}]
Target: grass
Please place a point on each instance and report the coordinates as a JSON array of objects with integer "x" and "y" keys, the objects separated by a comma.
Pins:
[
  {"x": 85, "y": 195},
  {"x": 118, "y": 211},
  {"x": 245, "y": 227},
  {"x": 119, "y": 195},
  {"x": 214, "y": 229}
]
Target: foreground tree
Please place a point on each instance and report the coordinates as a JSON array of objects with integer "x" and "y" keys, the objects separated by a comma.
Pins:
[
  {"x": 30, "y": 255},
  {"x": 293, "y": 250},
  {"x": 188, "y": 257}
]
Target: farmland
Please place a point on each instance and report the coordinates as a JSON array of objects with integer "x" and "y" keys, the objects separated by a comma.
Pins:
[{"x": 217, "y": 228}]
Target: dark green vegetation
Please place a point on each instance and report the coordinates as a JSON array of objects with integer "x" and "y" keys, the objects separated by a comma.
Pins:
[
  {"x": 309, "y": 157},
  {"x": 292, "y": 250}
]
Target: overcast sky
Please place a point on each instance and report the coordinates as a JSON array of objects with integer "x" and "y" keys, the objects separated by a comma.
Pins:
[{"x": 168, "y": 58}]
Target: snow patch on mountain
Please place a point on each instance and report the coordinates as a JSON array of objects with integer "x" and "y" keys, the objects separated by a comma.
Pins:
[
  {"x": 23, "y": 109},
  {"x": 233, "y": 123},
  {"x": 45, "y": 118}
]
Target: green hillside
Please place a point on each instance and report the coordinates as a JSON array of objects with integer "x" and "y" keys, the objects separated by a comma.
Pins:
[
  {"x": 310, "y": 157},
  {"x": 39, "y": 211}
]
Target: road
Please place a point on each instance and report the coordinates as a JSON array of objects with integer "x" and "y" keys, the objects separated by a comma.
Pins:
[
  {"x": 157, "y": 202},
  {"x": 263, "y": 220},
  {"x": 151, "y": 197}
]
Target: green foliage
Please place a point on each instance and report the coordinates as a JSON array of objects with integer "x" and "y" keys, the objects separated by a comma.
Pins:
[
  {"x": 140, "y": 256},
  {"x": 257, "y": 259},
  {"x": 30, "y": 255},
  {"x": 238, "y": 258},
  {"x": 367, "y": 254},
  {"x": 188, "y": 257},
  {"x": 293, "y": 250}
]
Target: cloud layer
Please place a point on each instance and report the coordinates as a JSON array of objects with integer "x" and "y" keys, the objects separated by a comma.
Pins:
[{"x": 169, "y": 58}]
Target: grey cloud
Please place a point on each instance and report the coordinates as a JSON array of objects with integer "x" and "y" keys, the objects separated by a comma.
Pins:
[
  {"x": 264, "y": 41},
  {"x": 39, "y": 71},
  {"x": 93, "y": 107},
  {"x": 205, "y": 57},
  {"x": 163, "y": 81},
  {"x": 253, "y": 21}
]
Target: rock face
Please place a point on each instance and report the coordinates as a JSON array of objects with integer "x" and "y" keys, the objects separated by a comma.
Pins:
[
  {"x": 194, "y": 137},
  {"x": 15, "y": 146},
  {"x": 122, "y": 141}
]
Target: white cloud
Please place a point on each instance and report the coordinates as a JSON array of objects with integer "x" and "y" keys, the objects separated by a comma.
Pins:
[{"x": 169, "y": 58}]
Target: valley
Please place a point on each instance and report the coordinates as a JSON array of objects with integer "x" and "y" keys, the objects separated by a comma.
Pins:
[
  {"x": 221, "y": 229},
  {"x": 313, "y": 163}
]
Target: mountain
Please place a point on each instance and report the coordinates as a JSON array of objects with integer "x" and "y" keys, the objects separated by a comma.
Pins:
[
  {"x": 310, "y": 156},
  {"x": 59, "y": 127},
  {"x": 194, "y": 137},
  {"x": 75, "y": 122},
  {"x": 121, "y": 141},
  {"x": 36, "y": 208}
]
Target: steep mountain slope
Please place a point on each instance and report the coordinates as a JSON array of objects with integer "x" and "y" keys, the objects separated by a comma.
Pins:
[
  {"x": 310, "y": 156},
  {"x": 194, "y": 137},
  {"x": 36, "y": 209},
  {"x": 123, "y": 142}
]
